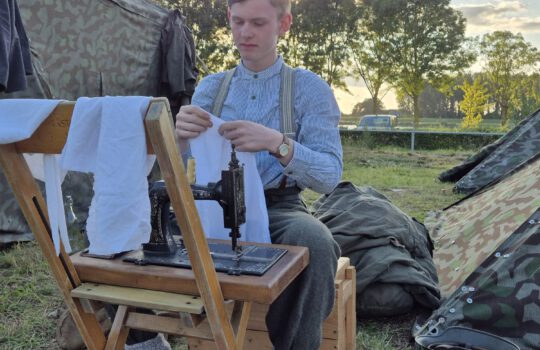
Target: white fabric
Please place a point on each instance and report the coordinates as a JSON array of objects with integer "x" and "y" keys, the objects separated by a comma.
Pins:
[
  {"x": 212, "y": 153},
  {"x": 107, "y": 138},
  {"x": 19, "y": 118},
  {"x": 55, "y": 204}
]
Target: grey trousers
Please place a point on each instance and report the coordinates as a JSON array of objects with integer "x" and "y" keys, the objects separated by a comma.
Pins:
[{"x": 295, "y": 319}]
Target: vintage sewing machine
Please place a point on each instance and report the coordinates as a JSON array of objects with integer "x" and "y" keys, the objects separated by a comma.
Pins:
[{"x": 166, "y": 247}]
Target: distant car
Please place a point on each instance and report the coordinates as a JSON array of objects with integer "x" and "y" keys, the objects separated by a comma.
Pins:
[{"x": 378, "y": 122}]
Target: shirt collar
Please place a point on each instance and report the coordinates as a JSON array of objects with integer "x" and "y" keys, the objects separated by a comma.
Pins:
[{"x": 274, "y": 69}]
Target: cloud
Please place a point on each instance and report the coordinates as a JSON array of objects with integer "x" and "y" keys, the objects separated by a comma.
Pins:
[{"x": 510, "y": 15}]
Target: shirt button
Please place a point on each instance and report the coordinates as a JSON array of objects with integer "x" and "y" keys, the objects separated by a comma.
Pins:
[
  {"x": 253, "y": 97},
  {"x": 255, "y": 76}
]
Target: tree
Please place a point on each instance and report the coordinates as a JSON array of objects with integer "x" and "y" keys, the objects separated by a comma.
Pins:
[
  {"x": 506, "y": 55},
  {"x": 528, "y": 95},
  {"x": 427, "y": 42},
  {"x": 320, "y": 36},
  {"x": 366, "y": 106},
  {"x": 474, "y": 104},
  {"x": 371, "y": 55}
]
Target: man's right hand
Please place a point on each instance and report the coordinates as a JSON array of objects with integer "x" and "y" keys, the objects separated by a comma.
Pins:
[{"x": 191, "y": 121}]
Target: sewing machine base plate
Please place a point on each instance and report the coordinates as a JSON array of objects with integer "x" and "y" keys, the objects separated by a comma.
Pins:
[{"x": 254, "y": 260}]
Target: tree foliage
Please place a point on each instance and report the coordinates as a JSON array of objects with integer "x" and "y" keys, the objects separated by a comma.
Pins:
[
  {"x": 427, "y": 39},
  {"x": 528, "y": 95},
  {"x": 371, "y": 54},
  {"x": 506, "y": 56},
  {"x": 474, "y": 104},
  {"x": 319, "y": 37},
  {"x": 366, "y": 107}
]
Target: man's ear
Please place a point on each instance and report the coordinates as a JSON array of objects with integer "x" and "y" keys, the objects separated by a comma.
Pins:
[
  {"x": 228, "y": 15},
  {"x": 285, "y": 23}
]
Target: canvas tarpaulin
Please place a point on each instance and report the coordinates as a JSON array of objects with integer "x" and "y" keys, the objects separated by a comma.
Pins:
[
  {"x": 98, "y": 48},
  {"x": 495, "y": 160},
  {"x": 487, "y": 254}
]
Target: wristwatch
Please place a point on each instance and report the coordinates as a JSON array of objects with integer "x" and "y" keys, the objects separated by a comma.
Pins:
[{"x": 283, "y": 149}]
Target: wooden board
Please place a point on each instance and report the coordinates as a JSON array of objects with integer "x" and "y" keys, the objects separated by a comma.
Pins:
[
  {"x": 137, "y": 297},
  {"x": 261, "y": 289}
]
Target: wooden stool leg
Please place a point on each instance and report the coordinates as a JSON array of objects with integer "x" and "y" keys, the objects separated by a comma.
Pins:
[
  {"x": 350, "y": 308},
  {"x": 119, "y": 332},
  {"x": 239, "y": 321}
]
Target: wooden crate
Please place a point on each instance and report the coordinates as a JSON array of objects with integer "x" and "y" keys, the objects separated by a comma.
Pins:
[{"x": 339, "y": 330}]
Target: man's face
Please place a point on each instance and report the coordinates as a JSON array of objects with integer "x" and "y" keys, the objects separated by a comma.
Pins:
[{"x": 256, "y": 26}]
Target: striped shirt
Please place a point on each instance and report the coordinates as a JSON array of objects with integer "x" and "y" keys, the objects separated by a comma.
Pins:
[{"x": 254, "y": 96}]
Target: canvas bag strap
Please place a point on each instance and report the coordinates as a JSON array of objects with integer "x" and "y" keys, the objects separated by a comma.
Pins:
[{"x": 217, "y": 106}]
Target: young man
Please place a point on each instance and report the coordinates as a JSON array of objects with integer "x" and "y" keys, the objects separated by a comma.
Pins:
[{"x": 313, "y": 160}]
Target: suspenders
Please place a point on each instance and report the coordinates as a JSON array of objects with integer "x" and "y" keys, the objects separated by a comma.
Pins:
[{"x": 287, "y": 126}]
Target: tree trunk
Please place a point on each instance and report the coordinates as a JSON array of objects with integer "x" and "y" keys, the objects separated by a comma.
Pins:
[
  {"x": 504, "y": 115},
  {"x": 416, "y": 111},
  {"x": 375, "y": 99}
]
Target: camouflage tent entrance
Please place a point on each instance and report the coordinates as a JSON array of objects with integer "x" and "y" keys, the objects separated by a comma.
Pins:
[
  {"x": 495, "y": 160},
  {"x": 487, "y": 254},
  {"x": 98, "y": 48}
]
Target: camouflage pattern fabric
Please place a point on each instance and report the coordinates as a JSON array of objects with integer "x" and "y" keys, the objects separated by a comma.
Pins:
[
  {"x": 96, "y": 48},
  {"x": 459, "y": 171},
  {"x": 470, "y": 231},
  {"x": 497, "y": 159},
  {"x": 502, "y": 296},
  {"x": 87, "y": 48}
]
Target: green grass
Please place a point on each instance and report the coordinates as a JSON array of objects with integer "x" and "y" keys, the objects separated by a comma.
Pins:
[{"x": 29, "y": 298}]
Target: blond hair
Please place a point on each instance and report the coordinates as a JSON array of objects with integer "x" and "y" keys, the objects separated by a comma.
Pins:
[{"x": 284, "y": 6}]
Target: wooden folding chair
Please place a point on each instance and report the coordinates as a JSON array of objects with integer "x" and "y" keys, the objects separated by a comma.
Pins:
[{"x": 199, "y": 292}]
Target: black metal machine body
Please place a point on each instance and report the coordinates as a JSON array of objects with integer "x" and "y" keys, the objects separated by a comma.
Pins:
[{"x": 162, "y": 249}]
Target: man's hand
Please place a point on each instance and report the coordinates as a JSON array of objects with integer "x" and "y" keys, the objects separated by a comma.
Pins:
[
  {"x": 190, "y": 122},
  {"x": 251, "y": 137}
]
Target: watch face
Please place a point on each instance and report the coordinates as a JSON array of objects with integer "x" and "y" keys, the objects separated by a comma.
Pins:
[{"x": 283, "y": 149}]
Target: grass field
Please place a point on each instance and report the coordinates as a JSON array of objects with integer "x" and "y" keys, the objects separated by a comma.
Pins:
[{"x": 29, "y": 299}]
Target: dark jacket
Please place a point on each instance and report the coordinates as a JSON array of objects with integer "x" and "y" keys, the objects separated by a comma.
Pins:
[{"x": 391, "y": 251}]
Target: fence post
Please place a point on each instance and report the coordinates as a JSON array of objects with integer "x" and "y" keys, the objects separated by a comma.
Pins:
[{"x": 412, "y": 140}]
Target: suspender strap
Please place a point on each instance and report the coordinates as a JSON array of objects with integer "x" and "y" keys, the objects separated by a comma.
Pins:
[
  {"x": 222, "y": 92},
  {"x": 288, "y": 126}
]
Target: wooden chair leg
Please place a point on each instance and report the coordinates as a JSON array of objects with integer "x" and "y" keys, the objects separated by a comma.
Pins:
[{"x": 119, "y": 332}]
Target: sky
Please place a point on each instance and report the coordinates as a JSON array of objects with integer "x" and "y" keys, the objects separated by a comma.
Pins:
[{"x": 483, "y": 16}]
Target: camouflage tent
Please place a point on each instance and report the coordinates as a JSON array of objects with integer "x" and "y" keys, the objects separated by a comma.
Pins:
[
  {"x": 495, "y": 160},
  {"x": 98, "y": 48},
  {"x": 487, "y": 254}
]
